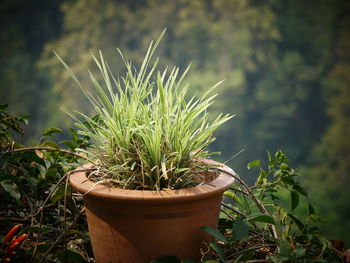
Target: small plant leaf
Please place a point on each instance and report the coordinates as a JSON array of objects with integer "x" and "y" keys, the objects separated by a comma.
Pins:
[
  {"x": 11, "y": 188},
  {"x": 51, "y": 173},
  {"x": 51, "y": 144},
  {"x": 311, "y": 210},
  {"x": 240, "y": 229},
  {"x": 41, "y": 228},
  {"x": 317, "y": 218},
  {"x": 50, "y": 131},
  {"x": 297, "y": 222},
  {"x": 59, "y": 193},
  {"x": 262, "y": 176},
  {"x": 3, "y": 107},
  {"x": 215, "y": 233},
  {"x": 233, "y": 197},
  {"x": 218, "y": 250},
  {"x": 300, "y": 189},
  {"x": 72, "y": 145},
  {"x": 285, "y": 248},
  {"x": 294, "y": 199},
  {"x": 262, "y": 218},
  {"x": 298, "y": 253},
  {"x": 253, "y": 164}
]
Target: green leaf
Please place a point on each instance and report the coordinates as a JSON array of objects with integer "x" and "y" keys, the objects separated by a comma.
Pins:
[
  {"x": 262, "y": 176},
  {"x": 51, "y": 173},
  {"x": 70, "y": 256},
  {"x": 299, "y": 252},
  {"x": 212, "y": 261},
  {"x": 240, "y": 229},
  {"x": 218, "y": 250},
  {"x": 51, "y": 144},
  {"x": 294, "y": 199},
  {"x": 72, "y": 145},
  {"x": 60, "y": 193},
  {"x": 215, "y": 233},
  {"x": 317, "y": 218},
  {"x": 24, "y": 118},
  {"x": 167, "y": 259},
  {"x": 253, "y": 164},
  {"x": 11, "y": 188},
  {"x": 32, "y": 156},
  {"x": 284, "y": 167},
  {"x": 233, "y": 197},
  {"x": 3, "y": 107},
  {"x": 42, "y": 228},
  {"x": 300, "y": 189},
  {"x": 48, "y": 132},
  {"x": 311, "y": 210},
  {"x": 297, "y": 222},
  {"x": 285, "y": 248},
  {"x": 262, "y": 218}
]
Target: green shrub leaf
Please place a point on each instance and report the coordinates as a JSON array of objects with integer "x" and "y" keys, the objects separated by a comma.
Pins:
[
  {"x": 294, "y": 199},
  {"x": 262, "y": 218},
  {"x": 72, "y": 145},
  {"x": 233, "y": 197},
  {"x": 59, "y": 193},
  {"x": 50, "y": 131},
  {"x": 218, "y": 250},
  {"x": 297, "y": 222},
  {"x": 51, "y": 144},
  {"x": 300, "y": 189},
  {"x": 215, "y": 233},
  {"x": 253, "y": 164},
  {"x": 311, "y": 210},
  {"x": 11, "y": 188},
  {"x": 240, "y": 229}
]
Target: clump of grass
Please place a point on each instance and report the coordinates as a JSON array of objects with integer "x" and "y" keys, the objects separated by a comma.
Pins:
[{"x": 146, "y": 135}]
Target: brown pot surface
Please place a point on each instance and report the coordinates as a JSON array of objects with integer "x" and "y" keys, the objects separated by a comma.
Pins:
[{"x": 131, "y": 226}]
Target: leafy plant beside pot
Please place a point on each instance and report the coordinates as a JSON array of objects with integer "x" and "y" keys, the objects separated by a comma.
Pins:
[{"x": 149, "y": 188}]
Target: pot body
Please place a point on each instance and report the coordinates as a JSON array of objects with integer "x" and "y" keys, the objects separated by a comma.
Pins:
[{"x": 134, "y": 226}]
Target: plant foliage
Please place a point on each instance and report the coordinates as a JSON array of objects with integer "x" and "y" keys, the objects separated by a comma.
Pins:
[
  {"x": 34, "y": 193},
  {"x": 273, "y": 220},
  {"x": 146, "y": 135}
]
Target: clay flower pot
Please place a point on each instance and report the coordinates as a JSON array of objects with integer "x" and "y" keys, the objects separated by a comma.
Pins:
[{"x": 131, "y": 226}]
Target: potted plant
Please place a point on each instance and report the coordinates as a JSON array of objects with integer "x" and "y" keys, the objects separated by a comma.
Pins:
[{"x": 149, "y": 187}]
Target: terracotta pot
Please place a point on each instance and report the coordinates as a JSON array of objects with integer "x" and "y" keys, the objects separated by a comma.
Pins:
[{"x": 132, "y": 226}]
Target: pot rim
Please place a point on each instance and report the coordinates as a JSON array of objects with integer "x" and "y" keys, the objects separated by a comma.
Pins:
[{"x": 87, "y": 188}]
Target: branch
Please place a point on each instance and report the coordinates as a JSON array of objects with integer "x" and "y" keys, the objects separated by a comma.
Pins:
[
  {"x": 251, "y": 194},
  {"x": 40, "y": 148},
  {"x": 234, "y": 210},
  {"x": 62, "y": 235},
  {"x": 18, "y": 219},
  {"x": 253, "y": 248}
]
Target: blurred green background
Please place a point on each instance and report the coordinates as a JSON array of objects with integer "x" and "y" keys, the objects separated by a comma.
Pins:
[{"x": 286, "y": 66}]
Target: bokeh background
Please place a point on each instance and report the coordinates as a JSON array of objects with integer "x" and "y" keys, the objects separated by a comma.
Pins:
[{"x": 286, "y": 65}]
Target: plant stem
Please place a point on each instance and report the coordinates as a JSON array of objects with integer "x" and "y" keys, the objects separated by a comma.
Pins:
[
  {"x": 251, "y": 194},
  {"x": 253, "y": 248},
  {"x": 40, "y": 148},
  {"x": 234, "y": 210}
]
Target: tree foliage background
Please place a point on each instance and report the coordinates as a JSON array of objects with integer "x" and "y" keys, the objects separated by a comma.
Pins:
[{"x": 286, "y": 66}]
